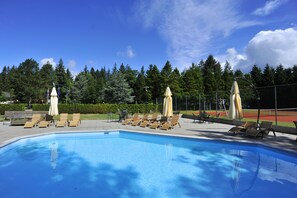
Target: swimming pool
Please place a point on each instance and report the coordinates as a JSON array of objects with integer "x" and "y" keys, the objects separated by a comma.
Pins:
[{"x": 126, "y": 164}]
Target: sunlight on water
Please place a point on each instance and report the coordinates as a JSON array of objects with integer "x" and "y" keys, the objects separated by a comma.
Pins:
[{"x": 122, "y": 164}]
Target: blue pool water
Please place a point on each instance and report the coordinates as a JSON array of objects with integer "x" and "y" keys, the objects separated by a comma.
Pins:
[{"x": 123, "y": 164}]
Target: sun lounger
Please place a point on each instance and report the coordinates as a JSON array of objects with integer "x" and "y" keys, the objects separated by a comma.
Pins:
[
  {"x": 159, "y": 123},
  {"x": 145, "y": 117},
  {"x": 242, "y": 128},
  {"x": 175, "y": 121},
  {"x": 154, "y": 117},
  {"x": 44, "y": 124},
  {"x": 171, "y": 124},
  {"x": 136, "y": 122},
  {"x": 130, "y": 120},
  {"x": 62, "y": 122},
  {"x": 75, "y": 120},
  {"x": 139, "y": 121},
  {"x": 155, "y": 125},
  {"x": 144, "y": 123},
  {"x": 33, "y": 122},
  {"x": 263, "y": 130},
  {"x": 166, "y": 126}
]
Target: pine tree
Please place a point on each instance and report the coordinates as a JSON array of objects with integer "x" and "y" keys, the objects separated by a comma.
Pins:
[
  {"x": 256, "y": 75},
  {"x": 268, "y": 76},
  {"x": 117, "y": 90},
  {"x": 209, "y": 80},
  {"x": 61, "y": 80},
  {"x": 175, "y": 83},
  {"x": 142, "y": 95},
  {"x": 25, "y": 82},
  {"x": 280, "y": 75},
  {"x": 153, "y": 81},
  {"x": 165, "y": 75}
]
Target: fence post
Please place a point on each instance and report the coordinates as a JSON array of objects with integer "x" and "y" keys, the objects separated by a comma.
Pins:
[
  {"x": 186, "y": 103},
  {"x": 199, "y": 103},
  {"x": 217, "y": 102},
  {"x": 275, "y": 104},
  {"x": 176, "y": 103}
]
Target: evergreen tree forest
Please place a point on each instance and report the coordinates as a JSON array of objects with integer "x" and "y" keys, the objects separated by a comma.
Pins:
[{"x": 33, "y": 82}]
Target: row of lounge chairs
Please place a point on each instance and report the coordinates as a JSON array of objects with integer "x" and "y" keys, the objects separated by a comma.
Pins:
[
  {"x": 252, "y": 129},
  {"x": 153, "y": 121},
  {"x": 38, "y": 120}
]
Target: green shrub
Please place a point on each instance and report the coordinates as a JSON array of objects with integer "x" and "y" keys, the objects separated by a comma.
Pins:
[
  {"x": 100, "y": 108},
  {"x": 11, "y": 107}
]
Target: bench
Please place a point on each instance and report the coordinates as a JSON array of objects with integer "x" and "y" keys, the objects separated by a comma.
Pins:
[
  {"x": 201, "y": 118},
  {"x": 8, "y": 115}
]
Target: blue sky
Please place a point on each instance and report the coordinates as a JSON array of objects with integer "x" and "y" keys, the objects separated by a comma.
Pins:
[{"x": 100, "y": 33}]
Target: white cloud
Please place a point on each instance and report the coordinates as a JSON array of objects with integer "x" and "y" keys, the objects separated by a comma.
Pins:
[
  {"x": 191, "y": 26},
  {"x": 129, "y": 52},
  {"x": 269, "y": 7},
  {"x": 71, "y": 63},
  {"x": 48, "y": 60},
  {"x": 267, "y": 47},
  {"x": 232, "y": 56}
]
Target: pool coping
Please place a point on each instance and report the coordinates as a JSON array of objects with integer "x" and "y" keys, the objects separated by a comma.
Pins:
[{"x": 245, "y": 142}]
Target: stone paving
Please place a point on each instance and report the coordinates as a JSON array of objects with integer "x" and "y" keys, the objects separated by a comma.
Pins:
[{"x": 188, "y": 128}]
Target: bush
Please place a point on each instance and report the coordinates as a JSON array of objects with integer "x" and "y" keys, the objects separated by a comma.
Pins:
[
  {"x": 100, "y": 108},
  {"x": 11, "y": 107}
]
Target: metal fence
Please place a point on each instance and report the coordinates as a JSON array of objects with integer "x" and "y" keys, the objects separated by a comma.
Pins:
[{"x": 277, "y": 101}]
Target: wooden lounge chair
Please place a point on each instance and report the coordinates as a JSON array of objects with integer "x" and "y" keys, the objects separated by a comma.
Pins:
[
  {"x": 263, "y": 130},
  {"x": 140, "y": 121},
  {"x": 144, "y": 123},
  {"x": 242, "y": 128},
  {"x": 170, "y": 124},
  {"x": 175, "y": 121},
  {"x": 130, "y": 120},
  {"x": 136, "y": 122},
  {"x": 154, "y": 117},
  {"x": 75, "y": 120},
  {"x": 33, "y": 122},
  {"x": 155, "y": 125},
  {"x": 145, "y": 117},
  {"x": 166, "y": 126},
  {"x": 62, "y": 122},
  {"x": 159, "y": 123},
  {"x": 44, "y": 124}
]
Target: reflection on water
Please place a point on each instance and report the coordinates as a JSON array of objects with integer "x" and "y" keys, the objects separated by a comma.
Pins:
[
  {"x": 54, "y": 154},
  {"x": 257, "y": 171},
  {"x": 172, "y": 167}
]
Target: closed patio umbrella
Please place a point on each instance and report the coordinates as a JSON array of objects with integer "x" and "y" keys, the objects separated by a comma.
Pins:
[
  {"x": 235, "y": 109},
  {"x": 167, "y": 104},
  {"x": 53, "y": 110}
]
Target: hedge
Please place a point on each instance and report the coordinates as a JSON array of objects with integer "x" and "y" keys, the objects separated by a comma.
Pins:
[
  {"x": 100, "y": 108},
  {"x": 11, "y": 107}
]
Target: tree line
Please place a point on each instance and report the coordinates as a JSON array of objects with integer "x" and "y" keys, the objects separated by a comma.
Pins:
[{"x": 122, "y": 84}]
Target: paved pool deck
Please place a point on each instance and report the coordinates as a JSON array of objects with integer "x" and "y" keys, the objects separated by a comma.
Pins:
[{"x": 213, "y": 131}]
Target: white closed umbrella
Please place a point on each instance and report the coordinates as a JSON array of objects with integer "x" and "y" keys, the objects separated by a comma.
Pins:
[
  {"x": 235, "y": 109},
  {"x": 167, "y": 104},
  {"x": 53, "y": 110}
]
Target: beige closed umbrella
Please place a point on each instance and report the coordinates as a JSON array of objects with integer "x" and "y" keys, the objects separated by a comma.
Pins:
[
  {"x": 53, "y": 110},
  {"x": 167, "y": 104},
  {"x": 235, "y": 109}
]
